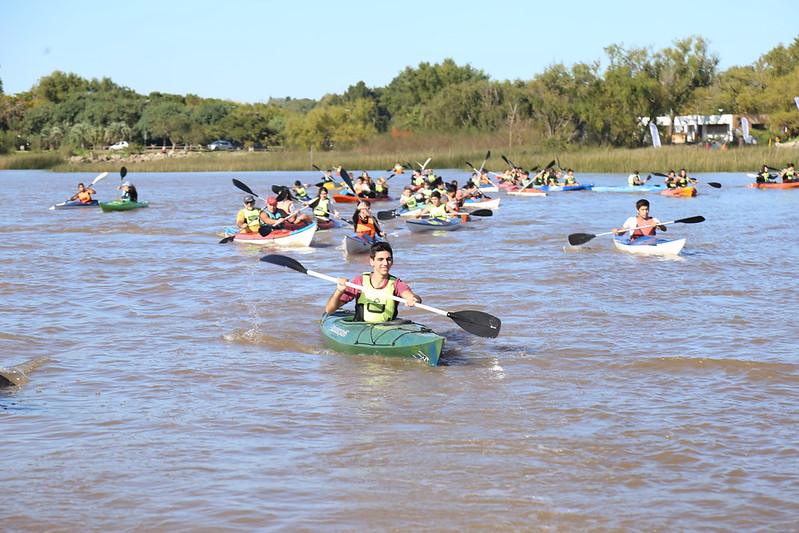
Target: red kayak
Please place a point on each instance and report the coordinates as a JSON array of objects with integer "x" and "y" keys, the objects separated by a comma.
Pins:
[
  {"x": 789, "y": 185},
  {"x": 349, "y": 198}
]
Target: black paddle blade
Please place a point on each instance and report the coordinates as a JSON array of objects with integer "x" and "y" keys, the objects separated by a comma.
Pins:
[
  {"x": 347, "y": 180},
  {"x": 662, "y": 175},
  {"x": 576, "y": 239},
  {"x": 508, "y": 161},
  {"x": 481, "y": 213},
  {"x": 550, "y": 165},
  {"x": 470, "y": 165},
  {"x": 691, "y": 220},
  {"x": 714, "y": 184},
  {"x": 286, "y": 261},
  {"x": 227, "y": 239},
  {"x": 477, "y": 323},
  {"x": 243, "y": 187},
  {"x": 316, "y": 168},
  {"x": 386, "y": 215},
  {"x": 123, "y": 172},
  {"x": 276, "y": 189}
]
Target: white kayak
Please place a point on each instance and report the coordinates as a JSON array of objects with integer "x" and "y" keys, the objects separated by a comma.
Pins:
[
  {"x": 649, "y": 245},
  {"x": 485, "y": 203},
  {"x": 281, "y": 237},
  {"x": 358, "y": 243}
]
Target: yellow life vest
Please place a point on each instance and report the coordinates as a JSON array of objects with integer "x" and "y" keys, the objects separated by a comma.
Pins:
[{"x": 371, "y": 307}]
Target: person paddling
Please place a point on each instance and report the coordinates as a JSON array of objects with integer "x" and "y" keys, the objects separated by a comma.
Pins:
[
  {"x": 764, "y": 176},
  {"x": 84, "y": 195},
  {"x": 276, "y": 218},
  {"x": 365, "y": 224},
  {"x": 789, "y": 175},
  {"x": 248, "y": 218},
  {"x": 129, "y": 193},
  {"x": 370, "y": 307},
  {"x": 641, "y": 225},
  {"x": 322, "y": 205},
  {"x": 436, "y": 209}
]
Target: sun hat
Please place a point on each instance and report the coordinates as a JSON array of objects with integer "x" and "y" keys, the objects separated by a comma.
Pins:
[{"x": 248, "y": 199}]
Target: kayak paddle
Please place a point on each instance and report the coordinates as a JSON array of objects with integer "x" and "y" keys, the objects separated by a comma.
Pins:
[
  {"x": 95, "y": 181},
  {"x": 388, "y": 215},
  {"x": 508, "y": 161},
  {"x": 246, "y": 189},
  {"x": 488, "y": 154},
  {"x": 475, "y": 322},
  {"x": 576, "y": 239}
]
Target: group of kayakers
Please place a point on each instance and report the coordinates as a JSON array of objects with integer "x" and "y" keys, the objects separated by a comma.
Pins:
[
  {"x": 551, "y": 176},
  {"x": 84, "y": 194},
  {"x": 787, "y": 175}
]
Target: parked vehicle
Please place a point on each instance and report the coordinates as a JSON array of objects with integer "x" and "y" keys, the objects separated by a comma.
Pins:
[
  {"x": 121, "y": 145},
  {"x": 221, "y": 145}
]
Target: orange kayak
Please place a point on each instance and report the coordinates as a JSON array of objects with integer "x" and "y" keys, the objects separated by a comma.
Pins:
[{"x": 680, "y": 191}]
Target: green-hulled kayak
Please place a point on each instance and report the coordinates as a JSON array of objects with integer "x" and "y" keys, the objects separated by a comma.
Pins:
[
  {"x": 122, "y": 205},
  {"x": 398, "y": 338}
]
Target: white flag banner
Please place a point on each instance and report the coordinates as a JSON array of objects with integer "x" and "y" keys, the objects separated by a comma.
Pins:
[
  {"x": 653, "y": 130},
  {"x": 745, "y": 130},
  {"x": 797, "y": 101}
]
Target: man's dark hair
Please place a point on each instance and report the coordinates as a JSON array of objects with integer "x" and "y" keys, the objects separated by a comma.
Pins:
[{"x": 380, "y": 246}]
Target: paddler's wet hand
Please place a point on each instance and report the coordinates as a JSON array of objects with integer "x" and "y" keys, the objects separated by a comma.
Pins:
[{"x": 341, "y": 284}]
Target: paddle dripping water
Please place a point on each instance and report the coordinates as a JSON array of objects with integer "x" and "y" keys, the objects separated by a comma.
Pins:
[{"x": 186, "y": 385}]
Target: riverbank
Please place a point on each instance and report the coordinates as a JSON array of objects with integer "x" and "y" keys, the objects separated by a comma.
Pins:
[{"x": 645, "y": 160}]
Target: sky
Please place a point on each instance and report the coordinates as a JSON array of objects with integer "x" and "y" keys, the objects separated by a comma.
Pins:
[{"x": 250, "y": 51}]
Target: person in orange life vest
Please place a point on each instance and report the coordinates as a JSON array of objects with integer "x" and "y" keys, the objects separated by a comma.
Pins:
[
  {"x": 274, "y": 218},
  {"x": 647, "y": 225},
  {"x": 84, "y": 194},
  {"x": 370, "y": 307},
  {"x": 364, "y": 223}
]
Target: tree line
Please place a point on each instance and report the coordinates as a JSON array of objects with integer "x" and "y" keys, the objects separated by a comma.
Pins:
[{"x": 600, "y": 103}]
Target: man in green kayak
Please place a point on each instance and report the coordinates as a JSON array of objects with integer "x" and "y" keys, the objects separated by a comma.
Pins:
[{"x": 369, "y": 306}]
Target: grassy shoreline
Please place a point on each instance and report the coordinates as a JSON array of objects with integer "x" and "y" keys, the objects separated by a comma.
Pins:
[{"x": 695, "y": 159}]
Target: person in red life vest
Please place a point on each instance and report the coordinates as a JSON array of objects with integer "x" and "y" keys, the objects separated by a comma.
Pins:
[
  {"x": 370, "y": 306},
  {"x": 365, "y": 224},
  {"x": 642, "y": 224},
  {"x": 84, "y": 195},
  {"x": 274, "y": 218}
]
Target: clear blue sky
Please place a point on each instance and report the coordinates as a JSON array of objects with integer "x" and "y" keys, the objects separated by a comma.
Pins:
[{"x": 249, "y": 51}]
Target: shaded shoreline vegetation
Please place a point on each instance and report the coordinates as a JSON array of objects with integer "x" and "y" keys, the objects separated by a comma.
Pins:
[{"x": 590, "y": 115}]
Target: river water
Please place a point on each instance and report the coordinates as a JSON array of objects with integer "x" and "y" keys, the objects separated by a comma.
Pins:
[{"x": 182, "y": 385}]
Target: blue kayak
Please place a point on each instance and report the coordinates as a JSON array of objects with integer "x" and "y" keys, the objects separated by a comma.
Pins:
[
  {"x": 558, "y": 188},
  {"x": 75, "y": 204}
]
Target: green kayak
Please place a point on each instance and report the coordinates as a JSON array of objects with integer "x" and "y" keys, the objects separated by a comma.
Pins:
[
  {"x": 397, "y": 338},
  {"x": 122, "y": 205}
]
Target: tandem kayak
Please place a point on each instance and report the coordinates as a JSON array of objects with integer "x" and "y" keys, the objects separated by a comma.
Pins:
[
  {"x": 649, "y": 245},
  {"x": 75, "y": 203},
  {"x": 280, "y": 237},
  {"x": 687, "y": 192},
  {"x": 397, "y": 338},
  {"x": 789, "y": 185},
  {"x": 359, "y": 243},
  {"x": 418, "y": 226},
  {"x": 655, "y": 187},
  {"x": 122, "y": 205}
]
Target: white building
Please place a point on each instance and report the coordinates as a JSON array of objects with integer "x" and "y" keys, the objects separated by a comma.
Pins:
[{"x": 701, "y": 128}]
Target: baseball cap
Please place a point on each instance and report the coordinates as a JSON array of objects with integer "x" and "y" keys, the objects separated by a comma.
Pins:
[
  {"x": 248, "y": 199},
  {"x": 271, "y": 201}
]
